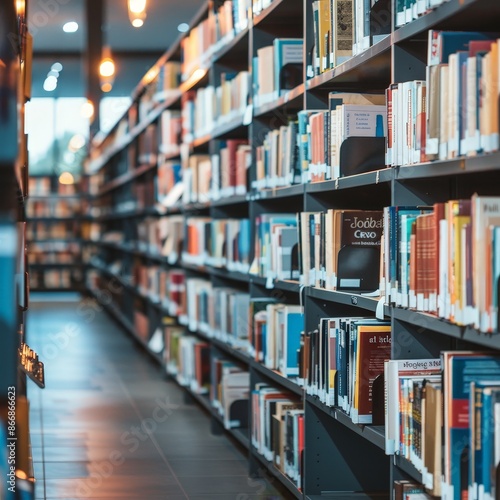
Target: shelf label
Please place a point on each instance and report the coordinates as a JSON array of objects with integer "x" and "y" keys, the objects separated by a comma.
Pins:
[{"x": 247, "y": 116}]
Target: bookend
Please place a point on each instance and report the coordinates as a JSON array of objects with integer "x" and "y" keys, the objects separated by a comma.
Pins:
[
  {"x": 361, "y": 154},
  {"x": 380, "y": 20},
  {"x": 290, "y": 76}
]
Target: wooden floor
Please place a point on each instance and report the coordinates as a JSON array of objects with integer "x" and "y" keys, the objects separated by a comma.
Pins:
[{"x": 109, "y": 425}]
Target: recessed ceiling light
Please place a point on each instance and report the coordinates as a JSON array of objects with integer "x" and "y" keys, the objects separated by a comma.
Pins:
[
  {"x": 50, "y": 83},
  {"x": 53, "y": 73},
  {"x": 57, "y": 67},
  {"x": 70, "y": 27},
  {"x": 183, "y": 27},
  {"x": 137, "y": 23}
]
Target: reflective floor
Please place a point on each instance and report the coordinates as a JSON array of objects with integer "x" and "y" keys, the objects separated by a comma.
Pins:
[{"x": 109, "y": 425}]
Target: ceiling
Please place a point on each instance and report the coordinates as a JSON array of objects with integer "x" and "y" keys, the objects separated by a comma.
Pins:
[{"x": 135, "y": 50}]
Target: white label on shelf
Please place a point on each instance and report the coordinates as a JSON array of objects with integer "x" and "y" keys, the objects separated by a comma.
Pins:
[
  {"x": 379, "y": 311},
  {"x": 269, "y": 282},
  {"x": 247, "y": 115},
  {"x": 420, "y": 301},
  {"x": 309, "y": 71}
]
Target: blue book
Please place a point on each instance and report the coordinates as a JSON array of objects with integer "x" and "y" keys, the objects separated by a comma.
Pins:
[
  {"x": 294, "y": 325},
  {"x": 288, "y": 61},
  {"x": 460, "y": 369}
]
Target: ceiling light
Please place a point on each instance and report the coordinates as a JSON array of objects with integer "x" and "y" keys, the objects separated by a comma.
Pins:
[
  {"x": 87, "y": 110},
  {"x": 137, "y": 12},
  {"x": 57, "y": 67},
  {"x": 66, "y": 178},
  {"x": 106, "y": 87},
  {"x": 70, "y": 27},
  {"x": 183, "y": 27},
  {"x": 107, "y": 67},
  {"x": 76, "y": 142},
  {"x": 50, "y": 84}
]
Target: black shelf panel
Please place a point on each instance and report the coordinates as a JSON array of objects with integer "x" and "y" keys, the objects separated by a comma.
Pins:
[
  {"x": 353, "y": 181},
  {"x": 292, "y": 99},
  {"x": 238, "y": 199},
  {"x": 279, "y": 12},
  {"x": 350, "y": 494},
  {"x": 375, "y": 434},
  {"x": 350, "y": 299},
  {"x": 453, "y": 15},
  {"x": 285, "y": 481},
  {"x": 289, "y": 286},
  {"x": 193, "y": 267},
  {"x": 232, "y": 127},
  {"x": 125, "y": 178},
  {"x": 408, "y": 468},
  {"x": 235, "y": 48},
  {"x": 235, "y": 353},
  {"x": 54, "y": 240},
  {"x": 229, "y": 275},
  {"x": 140, "y": 212},
  {"x": 132, "y": 250},
  {"x": 284, "y": 192},
  {"x": 430, "y": 322},
  {"x": 194, "y": 207},
  {"x": 276, "y": 377},
  {"x": 373, "y": 65},
  {"x": 241, "y": 435},
  {"x": 458, "y": 166}
]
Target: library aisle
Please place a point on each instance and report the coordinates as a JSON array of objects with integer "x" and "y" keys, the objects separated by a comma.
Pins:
[{"x": 110, "y": 425}]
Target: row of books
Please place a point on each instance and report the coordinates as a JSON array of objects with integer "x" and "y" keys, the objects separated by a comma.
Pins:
[
  {"x": 41, "y": 230},
  {"x": 443, "y": 416},
  {"x": 342, "y": 363},
  {"x": 187, "y": 358},
  {"x": 42, "y": 186},
  {"x": 52, "y": 278},
  {"x": 54, "y": 253},
  {"x": 408, "y": 11},
  {"x": 444, "y": 260},
  {"x": 223, "y": 243},
  {"x": 230, "y": 392},
  {"x": 276, "y": 247},
  {"x": 210, "y": 107},
  {"x": 285, "y": 57},
  {"x": 278, "y": 429},
  {"x": 211, "y": 34},
  {"x": 340, "y": 249},
  {"x": 53, "y": 208},
  {"x": 201, "y": 178},
  {"x": 276, "y": 333},
  {"x": 170, "y": 132}
]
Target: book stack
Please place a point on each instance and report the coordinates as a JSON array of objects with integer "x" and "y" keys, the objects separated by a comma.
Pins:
[
  {"x": 148, "y": 145},
  {"x": 230, "y": 317},
  {"x": 168, "y": 177},
  {"x": 334, "y": 33},
  {"x": 229, "y": 392},
  {"x": 170, "y": 132},
  {"x": 199, "y": 298},
  {"x": 168, "y": 80},
  {"x": 343, "y": 140},
  {"x": 232, "y": 97},
  {"x": 342, "y": 364},
  {"x": 462, "y": 89},
  {"x": 173, "y": 294},
  {"x": 196, "y": 178},
  {"x": 276, "y": 247},
  {"x": 278, "y": 429},
  {"x": 340, "y": 250},
  {"x": 172, "y": 335},
  {"x": 222, "y": 243},
  {"x": 408, "y": 11},
  {"x": 193, "y": 364},
  {"x": 434, "y": 258},
  {"x": 275, "y": 339},
  {"x": 229, "y": 169},
  {"x": 285, "y": 57},
  {"x": 278, "y": 159},
  {"x": 259, "y": 5}
]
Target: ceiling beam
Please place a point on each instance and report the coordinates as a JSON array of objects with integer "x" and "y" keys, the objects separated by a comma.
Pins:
[{"x": 94, "y": 10}]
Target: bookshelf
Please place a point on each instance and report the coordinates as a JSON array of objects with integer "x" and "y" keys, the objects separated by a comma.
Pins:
[
  {"x": 140, "y": 261},
  {"x": 56, "y": 216},
  {"x": 19, "y": 362}
]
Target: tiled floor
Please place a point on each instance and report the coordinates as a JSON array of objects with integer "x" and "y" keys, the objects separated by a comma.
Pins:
[{"x": 109, "y": 425}]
